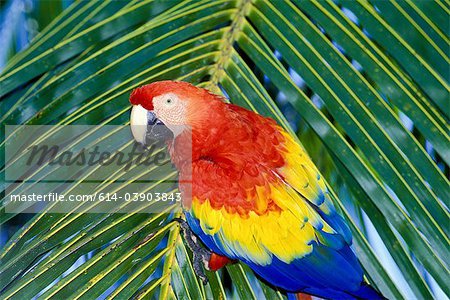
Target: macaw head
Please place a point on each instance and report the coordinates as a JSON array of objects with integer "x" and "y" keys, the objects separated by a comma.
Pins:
[{"x": 164, "y": 109}]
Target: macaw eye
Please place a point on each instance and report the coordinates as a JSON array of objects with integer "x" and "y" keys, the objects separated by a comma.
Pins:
[{"x": 169, "y": 101}]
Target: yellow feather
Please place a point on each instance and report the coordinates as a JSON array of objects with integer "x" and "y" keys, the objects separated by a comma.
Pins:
[{"x": 285, "y": 234}]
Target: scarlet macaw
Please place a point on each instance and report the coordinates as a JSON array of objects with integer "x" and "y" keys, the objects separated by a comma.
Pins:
[{"x": 256, "y": 195}]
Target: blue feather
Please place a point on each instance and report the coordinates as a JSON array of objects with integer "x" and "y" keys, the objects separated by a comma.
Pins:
[{"x": 327, "y": 272}]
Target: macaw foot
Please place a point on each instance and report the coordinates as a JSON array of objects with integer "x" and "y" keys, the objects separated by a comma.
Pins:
[{"x": 201, "y": 255}]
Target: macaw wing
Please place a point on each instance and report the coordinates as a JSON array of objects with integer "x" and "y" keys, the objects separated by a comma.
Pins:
[
  {"x": 278, "y": 232},
  {"x": 301, "y": 174},
  {"x": 290, "y": 246},
  {"x": 298, "y": 171},
  {"x": 271, "y": 210}
]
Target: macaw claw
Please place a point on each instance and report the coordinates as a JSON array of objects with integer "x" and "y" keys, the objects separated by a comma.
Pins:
[{"x": 201, "y": 256}]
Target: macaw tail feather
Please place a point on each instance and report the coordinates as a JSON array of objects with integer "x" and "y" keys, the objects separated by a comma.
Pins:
[
  {"x": 368, "y": 292},
  {"x": 299, "y": 296}
]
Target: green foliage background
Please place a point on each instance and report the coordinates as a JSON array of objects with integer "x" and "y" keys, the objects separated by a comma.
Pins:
[{"x": 363, "y": 84}]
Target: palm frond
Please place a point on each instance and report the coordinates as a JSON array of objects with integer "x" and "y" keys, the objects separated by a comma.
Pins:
[{"x": 351, "y": 72}]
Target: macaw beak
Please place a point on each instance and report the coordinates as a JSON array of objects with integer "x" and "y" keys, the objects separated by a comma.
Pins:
[{"x": 146, "y": 128}]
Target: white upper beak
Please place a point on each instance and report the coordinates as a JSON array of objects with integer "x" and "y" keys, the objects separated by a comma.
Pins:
[{"x": 138, "y": 122}]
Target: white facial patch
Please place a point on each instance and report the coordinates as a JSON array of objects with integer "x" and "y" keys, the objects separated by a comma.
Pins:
[{"x": 171, "y": 110}]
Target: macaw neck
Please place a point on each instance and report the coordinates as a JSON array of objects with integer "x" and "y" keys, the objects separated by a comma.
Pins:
[{"x": 209, "y": 138}]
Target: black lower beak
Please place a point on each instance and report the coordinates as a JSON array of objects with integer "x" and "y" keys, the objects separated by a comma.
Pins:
[{"x": 157, "y": 132}]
